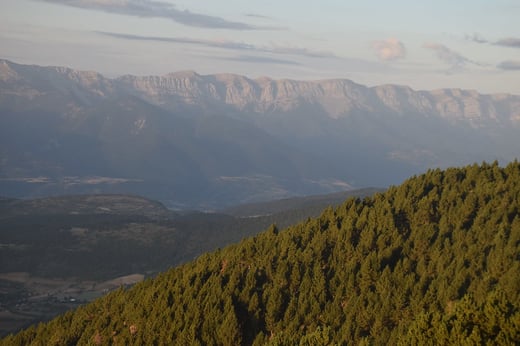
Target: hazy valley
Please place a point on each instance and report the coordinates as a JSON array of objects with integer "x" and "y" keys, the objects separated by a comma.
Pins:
[{"x": 207, "y": 142}]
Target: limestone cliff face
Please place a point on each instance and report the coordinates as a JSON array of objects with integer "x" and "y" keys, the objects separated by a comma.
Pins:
[
  {"x": 339, "y": 98},
  {"x": 37, "y": 81},
  {"x": 6, "y": 72}
]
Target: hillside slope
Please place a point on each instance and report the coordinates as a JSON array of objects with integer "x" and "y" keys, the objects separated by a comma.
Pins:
[
  {"x": 436, "y": 258},
  {"x": 98, "y": 237},
  {"x": 52, "y": 249}
]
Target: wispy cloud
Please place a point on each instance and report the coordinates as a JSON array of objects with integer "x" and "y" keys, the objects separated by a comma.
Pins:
[
  {"x": 184, "y": 40},
  {"x": 510, "y": 65},
  {"x": 232, "y": 45},
  {"x": 513, "y": 42},
  {"x": 475, "y": 37},
  {"x": 299, "y": 51},
  {"x": 389, "y": 49},
  {"x": 261, "y": 60},
  {"x": 157, "y": 9},
  {"x": 509, "y": 42},
  {"x": 456, "y": 61},
  {"x": 255, "y": 15}
]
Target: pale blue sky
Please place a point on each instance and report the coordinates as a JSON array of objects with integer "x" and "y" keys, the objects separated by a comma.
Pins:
[{"x": 425, "y": 44}]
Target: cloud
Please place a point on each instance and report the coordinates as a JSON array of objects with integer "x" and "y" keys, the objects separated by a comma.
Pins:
[
  {"x": 477, "y": 38},
  {"x": 389, "y": 49},
  {"x": 232, "y": 45},
  {"x": 157, "y": 9},
  {"x": 513, "y": 42},
  {"x": 206, "y": 43},
  {"x": 456, "y": 61},
  {"x": 447, "y": 55},
  {"x": 261, "y": 60},
  {"x": 510, "y": 65},
  {"x": 254, "y": 15},
  {"x": 300, "y": 51},
  {"x": 509, "y": 42}
]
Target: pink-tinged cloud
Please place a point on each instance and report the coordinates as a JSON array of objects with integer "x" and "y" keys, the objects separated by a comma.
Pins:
[{"x": 389, "y": 49}]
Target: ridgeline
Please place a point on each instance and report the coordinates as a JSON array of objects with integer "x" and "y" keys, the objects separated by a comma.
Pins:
[{"x": 433, "y": 261}]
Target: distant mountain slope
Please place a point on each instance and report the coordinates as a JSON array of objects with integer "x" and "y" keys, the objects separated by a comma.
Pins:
[
  {"x": 433, "y": 260},
  {"x": 84, "y": 205},
  {"x": 220, "y": 140}
]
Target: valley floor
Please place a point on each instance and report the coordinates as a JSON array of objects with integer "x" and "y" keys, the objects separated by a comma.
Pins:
[{"x": 27, "y": 299}]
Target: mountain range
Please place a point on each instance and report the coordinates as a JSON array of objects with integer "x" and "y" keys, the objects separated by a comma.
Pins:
[{"x": 212, "y": 141}]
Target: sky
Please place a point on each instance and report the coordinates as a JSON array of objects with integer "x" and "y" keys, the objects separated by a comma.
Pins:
[{"x": 469, "y": 44}]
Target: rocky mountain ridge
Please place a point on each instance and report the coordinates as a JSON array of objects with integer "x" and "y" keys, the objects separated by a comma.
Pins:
[{"x": 339, "y": 97}]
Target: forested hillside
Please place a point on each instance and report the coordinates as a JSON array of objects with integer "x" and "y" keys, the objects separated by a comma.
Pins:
[{"x": 435, "y": 260}]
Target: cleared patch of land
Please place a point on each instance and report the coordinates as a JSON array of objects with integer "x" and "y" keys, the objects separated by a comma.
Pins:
[{"x": 26, "y": 299}]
